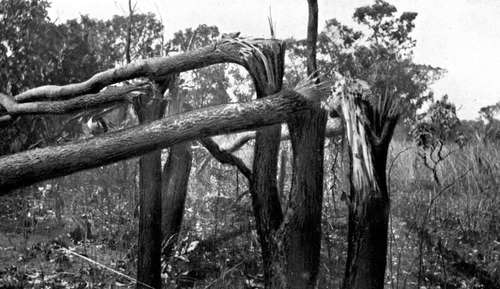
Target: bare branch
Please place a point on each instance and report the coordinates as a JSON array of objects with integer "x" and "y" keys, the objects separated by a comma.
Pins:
[
  {"x": 225, "y": 157},
  {"x": 40, "y": 164},
  {"x": 226, "y": 50},
  {"x": 105, "y": 98}
]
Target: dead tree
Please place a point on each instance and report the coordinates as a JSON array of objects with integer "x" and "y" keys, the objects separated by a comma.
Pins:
[
  {"x": 36, "y": 165},
  {"x": 369, "y": 122},
  {"x": 298, "y": 247},
  {"x": 267, "y": 74},
  {"x": 149, "y": 108},
  {"x": 175, "y": 180},
  {"x": 300, "y": 241}
]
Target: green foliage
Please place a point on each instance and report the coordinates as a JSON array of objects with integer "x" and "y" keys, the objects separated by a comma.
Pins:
[
  {"x": 438, "y": 124},
  {"x": 26, "y": 36},
  {"x": 381, "y": 54}
]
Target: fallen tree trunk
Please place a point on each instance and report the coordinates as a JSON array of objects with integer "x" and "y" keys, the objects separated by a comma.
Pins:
[
  {"x": 105, "y": 98},
  {"x": 36, "y": 165}
]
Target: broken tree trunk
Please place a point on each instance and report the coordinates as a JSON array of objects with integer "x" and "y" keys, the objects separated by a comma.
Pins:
[
  {"x": 301, "y": 229},
  {"x": 31, "y": 166},
  {"x": 150, "y": 108},
  {"x": 175, "y": 182},
  {"x": 369, "y": 199},
  {"x": 267, "y": 74}
]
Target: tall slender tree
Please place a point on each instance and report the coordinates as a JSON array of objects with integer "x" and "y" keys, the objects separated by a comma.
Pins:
[{"x": 301, "y": 229}]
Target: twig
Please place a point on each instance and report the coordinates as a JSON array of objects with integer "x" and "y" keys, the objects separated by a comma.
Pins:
[{"x": 68, "y": 251}]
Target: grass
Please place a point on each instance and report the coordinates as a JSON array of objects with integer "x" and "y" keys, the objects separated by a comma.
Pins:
[{"x": 443, "y": 235}]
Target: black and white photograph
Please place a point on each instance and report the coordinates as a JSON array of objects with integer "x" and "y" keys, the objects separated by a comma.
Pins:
[{"x": 268, "y": 144}]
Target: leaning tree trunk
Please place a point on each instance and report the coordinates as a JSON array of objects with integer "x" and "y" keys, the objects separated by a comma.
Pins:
[
  {"x": 36, "y": 165},
  {"x": 150, "y": 108},
  {"x": 369, "y": 200},
  {"x": 267, "y": 75},
  {"x": 301, "y": 233},
  {"x": 175, "y": 182}
]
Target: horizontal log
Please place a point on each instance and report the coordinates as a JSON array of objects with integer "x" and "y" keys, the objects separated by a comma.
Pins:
[
  {"x": 36, "y": 165},
  {"x": 334, "y": 128}
]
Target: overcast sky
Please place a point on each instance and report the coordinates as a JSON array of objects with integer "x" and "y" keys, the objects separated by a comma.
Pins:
[{"x": 462, "y": 36}]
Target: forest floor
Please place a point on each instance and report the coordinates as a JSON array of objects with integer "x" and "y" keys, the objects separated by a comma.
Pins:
[{"x": 445, "y": 236}]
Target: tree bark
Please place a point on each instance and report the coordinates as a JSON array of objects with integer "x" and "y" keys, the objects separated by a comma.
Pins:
[
  {"x": 175, "y": 184},
  {"x": 301, "y": 232},
  {"x": 302, "y": 225},
  {"x": 105, "y": 98},
  {"x": 268, "y": 78},
  {"x": 282, "y": 174},
  {"x": 175, "y": 181},
  {"x": 369, "y": 200},
  {"x": 226, "y": 50},
  {"x": 149, "y": 108},
  {"x": 149, "y": 246},
  {"x": 334, "y": 128},
  {"x": 31, "y": 166}
]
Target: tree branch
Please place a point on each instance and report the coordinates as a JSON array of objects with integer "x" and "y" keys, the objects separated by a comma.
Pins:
[
  {"x": 36, "y": 165},
  {"x": 225, "y": 157},
  {"x": 105, "y": 98},
  {"x": 226, "y": 50},
  {"x": 334, "y": 128}
]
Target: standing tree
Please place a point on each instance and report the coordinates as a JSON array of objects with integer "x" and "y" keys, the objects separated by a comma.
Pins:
[
  {"x": 300, "y": 231},
  {"x": 391, "y": 86},
  {"x": 140, "y": 36},
  {"x": 177, "y": 168},
  {"x": 432, "y": 130}
]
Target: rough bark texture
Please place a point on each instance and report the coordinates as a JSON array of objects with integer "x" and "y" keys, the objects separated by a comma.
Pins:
[
  {"x": 369, "y": 200},
  {"x": 150, "y": 108},
  {"x": 268, "y": 79},
  {"x": 301, "y": 230},
  {"x": 31, "y": 166},
  {"x": 265, "y": 200},
  {"x": 149, "y": 249},
  {"x": 302, "y": 226},
  {"x": 175, "y": 184},
  {"x": 175, "y": 181}
]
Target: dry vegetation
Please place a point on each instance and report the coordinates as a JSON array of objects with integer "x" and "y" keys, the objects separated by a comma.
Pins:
[{"x": 441, "y": 236}]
